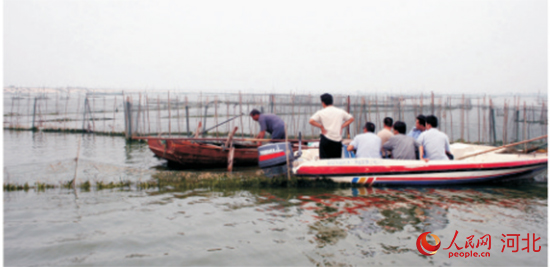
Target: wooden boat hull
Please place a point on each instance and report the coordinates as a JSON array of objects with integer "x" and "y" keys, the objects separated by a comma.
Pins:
[
  {"x": 190, "y": 154},
  {"x": 402, "y": 172}
]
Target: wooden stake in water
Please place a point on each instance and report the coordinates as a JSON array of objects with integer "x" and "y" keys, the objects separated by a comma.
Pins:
[
  {"x": 159, "y": 125},
  {"x": 505, "y": 124},
  {"x": 187, "y": 116},
  {"x": 287, "y": 152},
  {"x": 73, "y": 183},
  {"x": 241, "y": 112},
  {"x": 77, "y": 112},
  {"x": 169, "y": 117},
  {"x": 433, "y": 108},
  {"x": 478, "y": 121},
  {"x": 462, "y": 120},
  {"x": 114, "y": 117},
  {"x": 216, "y": 113},
  {"x": 524, "y": 124},
  {"x": 138, "y": 116},
  {"x": 451, "y": 118}
]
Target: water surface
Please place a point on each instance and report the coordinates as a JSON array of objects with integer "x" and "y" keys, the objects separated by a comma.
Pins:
[{"x": 246, "y": 226}]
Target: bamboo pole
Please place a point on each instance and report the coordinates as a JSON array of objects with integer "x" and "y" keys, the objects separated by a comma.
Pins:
[
  {"x": 34, "y": 114},
  {"x": 421, "y": 103},
  {"x": 402, "y": 108},
  {"x": 378, "y": 119},
  {"x": 433, "y": 107},
  {"x": 311, "y": 114},
  {"x": 138, "y": 115},
  {"x": 229, "y": 143},
  {"x": 462, "y": 119},
  {"x": 451, "y": 118},
  {"x": 114, "y": 117},
  {"x": 216, "y": 113},
  {"x": 178, "y": 114},
  {"x": 349, "y": 110},
  {"x": 468, "y": 123},
  {"x": 525, "y": 123},
  {"x": 104, "y": 115},
  {"x": 28, "y": 111},
  {"x": 227, "y": 114},
  {"x": 444, "y": 116},
  {"x": 542, "y": 120},
  {"x": 503, "y": 146},
  {"x": 66, "y": 109},
  {"x": 241, "y": 112},
  {"x": 505, "y": 124},
  {"x": 77, "y": 111},
  {"x": 159, "y": 125},
  {"x": 478, "y": 121},
  {"x": 440, "y": 103},
  {"x": 198, "y": 131},
  {"x": 169, "y": 116},
  {"x": 11, "y": 111},
  {"x": 187, "y": 116},
  {"x": 287, "y": 152},
  {"x": 484, "y": 133},
  {"x": 292, "y": 103}
]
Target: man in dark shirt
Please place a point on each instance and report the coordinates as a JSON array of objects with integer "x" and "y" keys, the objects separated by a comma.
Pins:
[
  {"x": 401, "y": 145},
  {"x": 269, "y": 123}
]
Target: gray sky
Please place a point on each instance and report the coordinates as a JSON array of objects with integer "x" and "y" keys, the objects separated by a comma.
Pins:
[{"x": 383, "y": 46}]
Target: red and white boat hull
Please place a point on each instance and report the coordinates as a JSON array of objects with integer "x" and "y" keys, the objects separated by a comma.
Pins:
[{"x": 493, "y": 167}]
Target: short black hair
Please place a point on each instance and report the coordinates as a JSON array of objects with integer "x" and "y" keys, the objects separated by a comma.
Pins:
[
  {"x": 400, "y": 127},
  {"x": 254, "y": 112},
  {"x": 421, "y": 119},
  {"x": 388, "y": 121},
  {"x": 327, "y": 99},
  {"x": 432, "y": 120},
  {"x": 370, "y": 127}
]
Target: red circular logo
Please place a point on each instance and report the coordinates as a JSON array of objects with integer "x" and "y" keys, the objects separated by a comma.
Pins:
[{"x": 422, "y": 244}]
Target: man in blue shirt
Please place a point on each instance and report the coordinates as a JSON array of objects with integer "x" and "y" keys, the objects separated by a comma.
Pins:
[
  {"x": 269, "y": 123},
  {"x": 434, "y": 145},
  {"x": 419, "y": 127},
  {"x": 367, "y": 144}
]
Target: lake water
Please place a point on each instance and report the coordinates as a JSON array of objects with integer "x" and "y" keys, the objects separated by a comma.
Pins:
[{"x": 247, "y": 226}]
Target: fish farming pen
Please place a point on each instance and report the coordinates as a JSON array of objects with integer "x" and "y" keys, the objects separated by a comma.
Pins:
[{"x": 479, "y": 119}]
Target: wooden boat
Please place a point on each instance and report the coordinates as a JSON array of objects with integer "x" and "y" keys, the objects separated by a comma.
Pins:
[
  {"x": 200, "y": 154},
  {"x": 487, "y": 167},
  {"x": 207, "y": 152}
]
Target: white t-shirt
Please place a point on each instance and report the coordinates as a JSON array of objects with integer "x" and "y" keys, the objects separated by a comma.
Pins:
[
  {"x": 332, "y": 119},
  {"x": 435, "y": 144}
]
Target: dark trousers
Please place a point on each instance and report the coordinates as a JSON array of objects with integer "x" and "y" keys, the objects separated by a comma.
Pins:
[{"x": 329, "y": 149}]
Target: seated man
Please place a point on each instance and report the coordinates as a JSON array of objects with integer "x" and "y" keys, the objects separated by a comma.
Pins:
[
  {"x": 401, "y": 145},
  {"x": 385, "y": 134},
  {"x": 434, "y": 145},
  {"x": 419, "y": 128},
  {"x": 367, "y": 144}
]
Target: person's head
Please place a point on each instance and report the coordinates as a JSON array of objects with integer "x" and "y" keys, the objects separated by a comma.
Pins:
[
  {"x": 255, "y": 114},
  {"x": 326, "y": 99},
  {"x": 431, "y": 121},
  {"x": 388, "y": 122},
  {"x": 399, "y": 127},
  {"x": 420, "y": 122},
  {"x": 369, "y": 127}
]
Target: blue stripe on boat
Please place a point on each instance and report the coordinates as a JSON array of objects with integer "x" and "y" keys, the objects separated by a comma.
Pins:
[{"x": 354, "y": 181}]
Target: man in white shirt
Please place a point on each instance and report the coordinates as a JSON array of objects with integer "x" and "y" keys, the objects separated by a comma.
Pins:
[
  {"x": 331, "y": 120},
  {"x": 434, "y": 145},
  {"x": 366, "y": 144}
]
